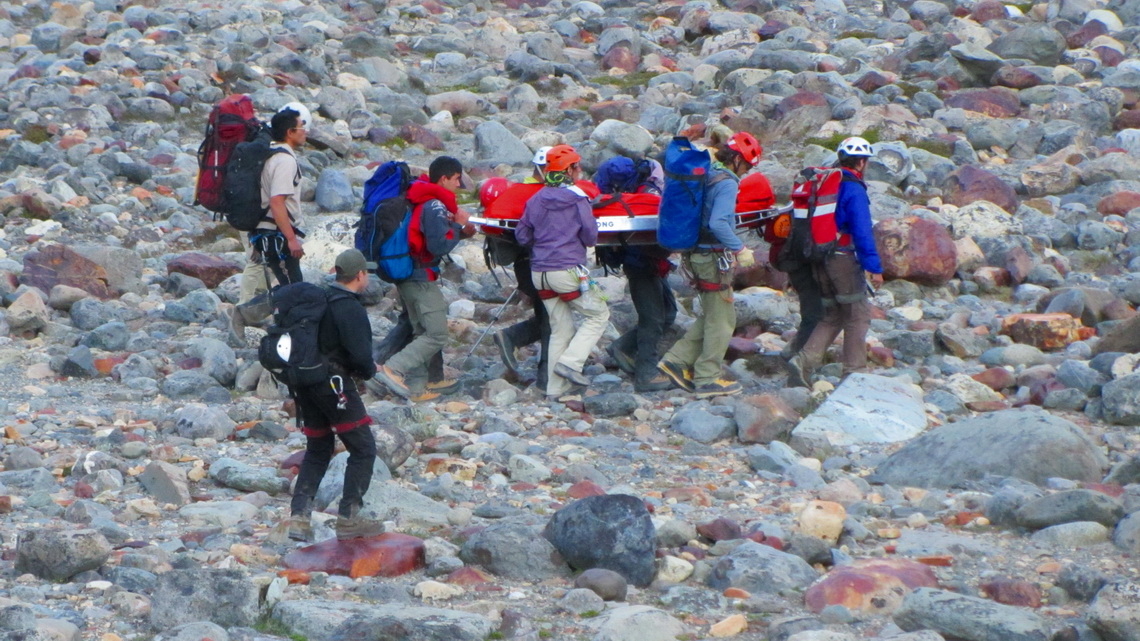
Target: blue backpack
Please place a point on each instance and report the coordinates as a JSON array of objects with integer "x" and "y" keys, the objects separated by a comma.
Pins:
[
  {"x": 382, "y": 230},
  {"x": 682, "y": 204}
]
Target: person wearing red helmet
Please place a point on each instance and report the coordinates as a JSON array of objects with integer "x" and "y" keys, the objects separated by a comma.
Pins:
[
  {"x": 694, "y": 362},
  {"x": 558, "y": 226}
]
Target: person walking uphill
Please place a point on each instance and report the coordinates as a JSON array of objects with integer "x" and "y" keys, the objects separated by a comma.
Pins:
[
  {"x": 694, "y": 362},
  {"x": 436, "y": 227},
  {"x": 558, "y": 225},
  {"x": 840, "y": 275},
  {"x": 333, "y": 409}
]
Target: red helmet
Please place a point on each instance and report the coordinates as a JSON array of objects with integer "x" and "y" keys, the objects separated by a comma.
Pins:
[
  {"x": 560, "y": 157},
  {"x": 747, "y": 146},
  {"x": 492, "y": 188}
]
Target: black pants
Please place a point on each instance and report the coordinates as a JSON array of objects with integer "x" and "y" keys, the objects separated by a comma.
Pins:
[
  {"x": 656, "y": 310},
  {"x": 811, "y": 305},
  {"x": 275, "y": 252},
  {"x": 397, "y": 339},
  {"x": 322, "y": 422},
  {"x": 535, "y": 328}
]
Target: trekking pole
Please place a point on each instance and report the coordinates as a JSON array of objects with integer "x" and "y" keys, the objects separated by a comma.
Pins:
[{"x": 494, "y": 319}]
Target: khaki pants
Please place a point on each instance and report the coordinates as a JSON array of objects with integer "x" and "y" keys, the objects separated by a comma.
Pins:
[
  {"x": 427, "y": 310},
  {"x": 253, "y": 275},
  {"x": 569, "y": 345},
  {"x": 704, "y": 344},
  {"x": 845, "y": 309}
]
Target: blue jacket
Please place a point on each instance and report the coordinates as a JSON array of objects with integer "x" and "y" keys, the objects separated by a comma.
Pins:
[
  {"x": 720, "y": 211},
  {"x": 853, "y": 217}
]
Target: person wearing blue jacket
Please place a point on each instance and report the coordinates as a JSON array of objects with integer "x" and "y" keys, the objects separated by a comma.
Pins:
[
  {"x": 693, "y": 363},
  {"x": 841, "y": 276}
]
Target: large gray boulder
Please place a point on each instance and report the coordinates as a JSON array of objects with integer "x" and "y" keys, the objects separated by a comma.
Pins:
[
  {"x": 226, "y": 597},
  {"x": 58, "y": 555},
  {"x": 968, "y": 618},
  {"x": 1026, "y": 444},
  {"x": 413, "y": 624},
  {"x": 1035, "y": 41},
  {"x": 1121, "y": 400},
  {"x": 494, "y": 143},
  {"x": 516, "y": 549},
  {"x": 865, "y": 408},
  {"x": 1115, "y": 612},
  {"x": 760, "y": 568}
]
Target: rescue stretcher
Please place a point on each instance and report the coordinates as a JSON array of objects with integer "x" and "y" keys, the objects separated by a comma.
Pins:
[{"x": 631, "y": 230}]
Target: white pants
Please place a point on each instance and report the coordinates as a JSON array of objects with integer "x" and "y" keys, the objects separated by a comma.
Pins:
[{"x": 569, "y": 345}]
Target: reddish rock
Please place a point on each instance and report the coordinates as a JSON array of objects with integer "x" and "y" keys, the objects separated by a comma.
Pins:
[
  {"x": 469, "y": 576},
  {"x": 1084, "y": 35},
  {"x": 1109, "y": 57},
  {"x": 764, "y": 539},
  {"x": 721, "y": 529},
  {"x": 991, "y": 277},
  {"x": 389, "y": 554},
  {"x": 970, "y": 183},
  {"x": 916, "y": 249},
  {"x": 871, "y": 81},
  {"x": 1127, "y": 119},
  {"x": 996, "y": 102},
  {"x": 58, "y": 265},
  {"x": 584, "y": 488},
  {"x": 798, "y": 100},
  {"x": 293, "y": 460},
  {"x": 620, "y": 58},
  {"x": 764, "y": 418},
  {"x": 694, "y": 495},
  {"x": 881, "y": 356},
  {"x": 1015, "y": 78},
  {"x": 419, "y": 135},
  {"x": 771, "y": 29},
  {"x": 995, "y": 378},
  {"x": 1017, "y": 592},
  {"x": 761, "y": 274},
  {"x": 5, "y": 504},
  {"x": 987, "y": 406},
  {"x": 1119, "y": 203},
  {"x": 739, "y": 347},
  {"x": 1018, "y": 263},
  {"x": 447, "y": 444},
  {"x": 623, "y": 110},
  {"x": 211, "y": 270},
  {"x": 39, "y": 204},
  {"x": 873, "y": 586},
  {"x": 989, "y": 10},
  {"x": 295, "y": 577},
  {"x": 1043, "y": 331},
  {"x": 948, "y": 83},
  {"x": 1039, "y": 389}
]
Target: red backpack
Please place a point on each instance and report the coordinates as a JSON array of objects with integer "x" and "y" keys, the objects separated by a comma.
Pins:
[
  {"x": 814, "y": 235},
  {"x": 232, "y": 121}
]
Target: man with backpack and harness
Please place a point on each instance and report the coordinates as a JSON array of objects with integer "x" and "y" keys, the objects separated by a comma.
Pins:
[
  {"x": 697, "y": 217},
  {"x": 275, "y": 241},
  {"x": 328, "y": 348},
  {"x": 839, "y": 242}
]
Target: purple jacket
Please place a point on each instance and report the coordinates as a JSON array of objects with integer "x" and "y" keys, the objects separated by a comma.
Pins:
[{"x": 557, "y": 225}]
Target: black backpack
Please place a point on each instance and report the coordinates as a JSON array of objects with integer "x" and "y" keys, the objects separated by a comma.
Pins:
[
  {"x": 241, "y": 189},
  {"x": 291, "y": 348}
]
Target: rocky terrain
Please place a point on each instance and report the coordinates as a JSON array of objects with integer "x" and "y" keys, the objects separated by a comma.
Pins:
[{"x": 983, "y": 483}]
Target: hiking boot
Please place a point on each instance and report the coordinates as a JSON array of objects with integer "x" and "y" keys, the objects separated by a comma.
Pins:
[
  {"x": 444, "y": 387},
  {"x": 719, "y": 387},
  {"x": 357, "y": 527},
  {"x": 574, "y": 376},
  {"x": 658, "y": 383},
  {"x": 624, "y": 361},
  {"x": 425, "y": 396},
  {"x": 393, "y": 380},
  {"x": 299, "y": 528},
  {"x": 681, "y": 376},
  {"x": 235, "y": 323},
  {"x": 797, "y": 372},
  {"x": 507, "y": 351}
]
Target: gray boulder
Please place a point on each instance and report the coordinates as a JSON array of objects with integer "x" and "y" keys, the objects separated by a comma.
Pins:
[
  {"x": 334, "y": 191},
  {"x": 332, "y": 486},
  {"x": 197, "y": 420},
  {"x": 613, "y": 531},
  {"x": 1070, "y": 506},
  {"x": 1115, "y": 612},
  {"x": 759, "y": 568},
  {"x": 413, "y": 624},
  {"x": 225, "y": 597},
  {"x": 699, "y": 422},
  {"x": 865, "y": 408},
  {"x": 58, "y": 555},
  {"x": 247, "y": 478},
  {"x": 622, "y": 138},
  {"x": 1030, "y": 445},
  {"x": 968, "y": 618},
  {"x": 495, "y": 144},
  {"x": 636, "y": 623},
  {"x": 515, "y": 549},
  {"x": 1121, "y": 400},
  {"x": 1035, "y": 41}
]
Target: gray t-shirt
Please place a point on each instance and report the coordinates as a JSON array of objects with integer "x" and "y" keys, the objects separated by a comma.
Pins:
[{"x": 281, "y": 176}]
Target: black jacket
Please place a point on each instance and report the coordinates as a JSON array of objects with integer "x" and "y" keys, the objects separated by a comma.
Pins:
[{"x": 345, "y": 335}]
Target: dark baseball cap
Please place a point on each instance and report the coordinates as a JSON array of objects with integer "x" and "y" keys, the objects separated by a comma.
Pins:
[{"x": 351, "y": 262}]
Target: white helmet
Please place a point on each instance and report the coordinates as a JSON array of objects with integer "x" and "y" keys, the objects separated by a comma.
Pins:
[
  {"x": 540, "y": 156},
  {"x": 306, "y": 118},
  {"x": 855, "y": 147}
]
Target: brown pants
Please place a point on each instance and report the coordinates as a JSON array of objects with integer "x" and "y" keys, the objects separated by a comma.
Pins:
[{"x": 845, "y": 309}]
